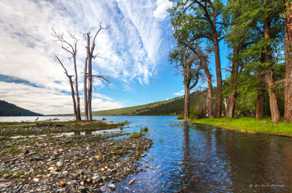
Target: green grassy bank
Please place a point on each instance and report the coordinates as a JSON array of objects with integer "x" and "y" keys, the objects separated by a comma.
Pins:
[{"x": 249, "y": 125}]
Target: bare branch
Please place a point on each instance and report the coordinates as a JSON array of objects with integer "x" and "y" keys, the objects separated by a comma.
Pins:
[
  {"x": 67, "y": 46},
  {"x": 103, "y": 78},
  {"x": 67, "y": 50},
  {"x": 100, "y": 28},
  {"x": 63, "y": 66}
]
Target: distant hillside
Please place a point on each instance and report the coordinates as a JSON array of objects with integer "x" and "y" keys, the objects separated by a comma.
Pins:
[
  {"x": 8, "y": 109},
  {"x": 167, "y": 107}
]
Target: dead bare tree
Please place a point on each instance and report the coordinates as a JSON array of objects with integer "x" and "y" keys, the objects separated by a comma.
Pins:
[
  {"x": 71, "y": 49},
  {"x": 71, "y": 86},
  {"x": 88, "y": 76}
]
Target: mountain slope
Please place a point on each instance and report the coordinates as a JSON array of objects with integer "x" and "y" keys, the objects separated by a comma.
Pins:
[
  {"x": 8, "y": 109},
  {"x": 167, "y": 107}
]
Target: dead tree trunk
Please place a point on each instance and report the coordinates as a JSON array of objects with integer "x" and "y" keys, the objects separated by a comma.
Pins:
[
  {"x": 288, "y": 67},
  {"x": 86, "y": 88},
  {"x": 88, "y": 73},
  {"x": 71, "y": 49},
  {"x": 77, "y": 118},
  {"x": 76, "y": 84},
  {"x": 89, "y": 77},
  {"x": 71, "y": 86}
]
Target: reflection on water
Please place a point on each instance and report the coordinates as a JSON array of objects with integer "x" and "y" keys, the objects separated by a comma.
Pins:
[
  {"x": 201, "y": 159},
  {"x": 35, "y": 118},
  {"x": 104, "y": 133},
  {"x": 204, "y": 159}
]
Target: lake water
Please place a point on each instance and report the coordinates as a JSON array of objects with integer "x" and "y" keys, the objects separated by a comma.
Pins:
[{"x": 205, "y": 159}]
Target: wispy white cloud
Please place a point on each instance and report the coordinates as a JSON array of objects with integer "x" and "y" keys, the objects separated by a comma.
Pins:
[
  {"x": 162, "y": 7},
  {"x": 179, "y": 93},
  {"x": 128, "y": 48},
  {"x": 48, "y": 101}
]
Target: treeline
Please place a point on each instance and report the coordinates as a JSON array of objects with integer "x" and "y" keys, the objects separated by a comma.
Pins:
[
  {"x": 258, "y": 34},
  {"x": 174, "y": 106}
]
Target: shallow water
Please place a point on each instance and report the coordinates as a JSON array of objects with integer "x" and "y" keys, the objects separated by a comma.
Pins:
[{"x": 206, "y": 159}]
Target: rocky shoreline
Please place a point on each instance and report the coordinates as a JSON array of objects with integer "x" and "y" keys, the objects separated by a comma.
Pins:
[
  {"x": 78, "y": 163},
  {"x": 8, "y": 129}
]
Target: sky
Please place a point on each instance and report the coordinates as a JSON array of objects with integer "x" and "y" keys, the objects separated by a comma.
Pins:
[{"x": 132, "y": 52}]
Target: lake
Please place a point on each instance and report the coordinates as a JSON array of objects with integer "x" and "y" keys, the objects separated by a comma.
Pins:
[{"x": 204, "y": 159}]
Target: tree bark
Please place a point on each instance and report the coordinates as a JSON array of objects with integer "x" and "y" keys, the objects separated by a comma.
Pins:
[
  {"x": 218, "y": 76},
  {"x": 231, "y": 104},
  {"x": 186, "y": 102},
  {"x": 90, "y": 90},
  {"x": 73, "y": 98},
  {"x": 86, "y": 88},
  {"x": 209, "y": 91},
  {"x": 275, "y": 114},
  {"x": 259, "y": 105},
  {"x": 234, "y": 76},
  {"x": 71, "y": 86},
  {"x": 260, "y": 98},
  {"x": 78, "y": 112},
  {"x": 89, "y": 77},
  {"x": 187, "y": 63},
  {"x": 273, "y": 101},
  {"x": 288, "y": 66}
]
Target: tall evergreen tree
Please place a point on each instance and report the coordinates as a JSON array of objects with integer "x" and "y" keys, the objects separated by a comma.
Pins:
[
  {"x": 260, "y": 21},
  {"x": 202, "y": 19}
]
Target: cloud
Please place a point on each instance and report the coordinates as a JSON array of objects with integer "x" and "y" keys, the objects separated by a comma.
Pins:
[
  {"x": 11, "y": 79},
  {"x": 47, "y": 101},
  {"x": 127, "y": 50},
  {"x": 162, "y": 7},
  {"x": 179, "y": 93}
]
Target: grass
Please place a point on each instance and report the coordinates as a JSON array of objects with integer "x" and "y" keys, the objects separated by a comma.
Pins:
[
  {"x": 141, "y": 133},
  {"x": 249, "y": 125}
]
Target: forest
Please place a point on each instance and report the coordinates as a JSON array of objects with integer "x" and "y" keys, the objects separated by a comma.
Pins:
[{"x": 258, "y": 34}]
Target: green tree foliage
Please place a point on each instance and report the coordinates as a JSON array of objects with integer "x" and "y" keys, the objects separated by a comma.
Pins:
[
  {"x": 201, "y": 20},
  {"x": 254, "y": 31}
]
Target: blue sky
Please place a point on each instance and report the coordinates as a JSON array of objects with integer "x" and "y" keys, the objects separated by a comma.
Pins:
[{"x": 132, "y": 52}]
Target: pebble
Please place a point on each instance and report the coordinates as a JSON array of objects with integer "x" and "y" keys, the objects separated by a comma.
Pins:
[
  {"x": 69, "y": 168},
  {"x": 60, "y": 163},
  {"x": 111, "y": 186},
  {"x": 5, "y": 184},
  {"x": 95, "y": 177},
  {"x": 61, "y": 183}
]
